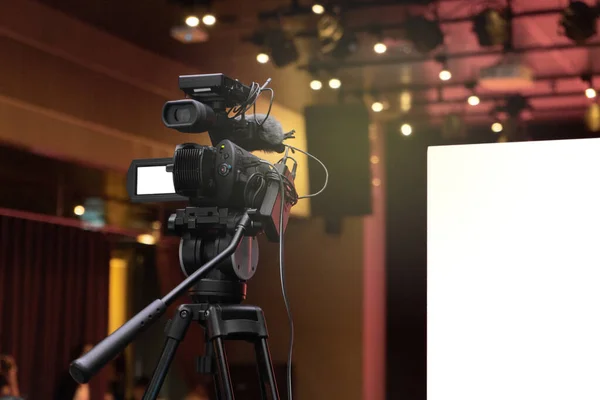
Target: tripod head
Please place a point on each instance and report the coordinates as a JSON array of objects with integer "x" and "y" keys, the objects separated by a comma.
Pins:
[{"x": 205, "y": 232}]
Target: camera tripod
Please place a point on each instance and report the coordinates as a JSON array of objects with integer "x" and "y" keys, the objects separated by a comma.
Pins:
[
  {"x": 216, "y": 304},
  {"x": 218, "y": 254}
]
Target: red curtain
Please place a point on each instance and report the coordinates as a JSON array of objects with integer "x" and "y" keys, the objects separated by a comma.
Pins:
[{"x": 53, "y": 299}]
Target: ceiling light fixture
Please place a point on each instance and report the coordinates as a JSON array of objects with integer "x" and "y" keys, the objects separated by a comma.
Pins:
[
  {"x": 497, "y": 127},
  {"x": 425, "y": 34},
  {"x": 318, "y": 9},
  {"x": 262, "y": 58},
  {"x": 316, "y": 84},
  {"x": 377, "y": 106},
  {"x": 335, "y": 83},
  {"x": 406, "y": 129},
  {"x": 491, "y": 27},
  {"x": 192, "y": 21},
  {"x": 379, "y": 48},
  {"x": 473, "y": 100},
  {"x": 334, "y": 38},
  {"x": 578, "y": 21},
  {"x": 209, "y": 19},
  {"x": 590, "y": 92}
]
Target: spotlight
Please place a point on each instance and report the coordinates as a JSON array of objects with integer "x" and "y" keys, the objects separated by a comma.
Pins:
[
  {"x": 209, "y": 20},
  {"x": 334, "y": 38},
  {"x": 491, "y": 27},
  {"x": 379, "y": 48},
  {"x": 318, "y": 9},
  {"x": 335, "y": 83},
  {"x": 406, "y": 129},
  {"x": 192, "y": 21},
  {"x": 578, "y": 21},
  {"x": 473, "y": 100},
  {"x": 590, "y": 93},
  {"x": 316, "y": 84},
  {"x": 282, "y": 46},
  {"x": 377, "y": 106},
  {"x": 445, "y": 75},
  {"x": 425, "y": 34},
  {"x": 497, "y": 127},
  {"x": 79, "y": 210},
  {"x": 262, "y": 58}
]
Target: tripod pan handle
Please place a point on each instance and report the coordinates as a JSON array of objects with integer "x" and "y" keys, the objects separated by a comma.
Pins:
[{"x": 86, "y": 366}]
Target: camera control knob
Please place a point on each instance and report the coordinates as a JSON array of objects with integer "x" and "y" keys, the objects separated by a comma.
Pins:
[{"x": 224, "y": 169}]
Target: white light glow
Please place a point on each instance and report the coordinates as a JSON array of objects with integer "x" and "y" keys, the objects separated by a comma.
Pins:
[
  {"x": 146, "y": 239},
  {"x": 406, "y": 129},
  {"x": 318, "y": 9},
  {"x": 79, "y": 210},
  {"x": 154, "y": 180},
  {"x": 590, "y": 93},
  {"x": 377, "y": 106},
  {"x": 316, "y": 84},
  {"x": 445, "y": 75},
  {"x": 192, "y": 21},
  {"x": 262, "y": 58},
  {"x": 335, "y": 83},
  {"x": 509, "y": 227},
  {"x": 473, "y": 100},
  {"x": 209, "y": 19},
  {"x": 497, "y": 127},
  {"x": 380, "y": 48}
]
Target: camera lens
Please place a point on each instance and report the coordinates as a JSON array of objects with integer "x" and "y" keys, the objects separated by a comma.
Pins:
[
  {"x": 183, "y": 114},
  {"x": 188, "y": 116}
]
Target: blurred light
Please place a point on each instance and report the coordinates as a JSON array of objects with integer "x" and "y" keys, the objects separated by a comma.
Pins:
[
  {"x": 376, "y": 182},
  {"x": 335, "y": 83},
  {"x": 379, "y": 48},
  {"x": 578, "y": 21},
  {"x": 405, "y": 101},
  {"x": 406, "y": 129},
  {"x": 79, "y": 210},
  {"x": 374, "y": 160},
  {"x": 318, "y": 9},
  {"x": 592, "y": 117},
  {"x": 192, "y": 21},
  {"x": 209, "y": 19},
  {"x": 473, "y": 100},
  {"x": 316, "y": 84},
  {"x": 497, "y": 127},
  {"x": 146, "y": 238},
  {"x": 590, "y": 93},
  {"x": 262, "y": 58},
  {"x": 445, "y": 75},
  {"x": 156, "y": 225},
  {"x": 377, "y": 106}
]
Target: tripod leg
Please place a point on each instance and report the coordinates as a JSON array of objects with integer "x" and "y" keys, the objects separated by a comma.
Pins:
[
  {"x": 175, "y": 333},
  {"x": 225, "y": 385},
  {"x": 265, "y": 370}
]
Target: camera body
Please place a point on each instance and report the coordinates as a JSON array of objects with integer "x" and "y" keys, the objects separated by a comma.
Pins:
[{"x": 224, "y": 175}]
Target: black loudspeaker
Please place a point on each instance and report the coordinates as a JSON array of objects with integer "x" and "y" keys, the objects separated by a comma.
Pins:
[{"x": 339, "y": 136}]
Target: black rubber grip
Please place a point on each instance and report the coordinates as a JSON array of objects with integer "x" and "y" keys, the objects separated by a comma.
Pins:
[{"x": 86, "y": 366}]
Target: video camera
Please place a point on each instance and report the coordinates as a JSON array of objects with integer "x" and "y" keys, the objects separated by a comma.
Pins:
[
  {"x": 233, "y": 196},
  {"x": 225, "y": 175}
]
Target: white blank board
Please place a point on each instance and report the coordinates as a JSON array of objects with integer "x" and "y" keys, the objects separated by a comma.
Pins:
[{"x": 514, "y": 271}]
